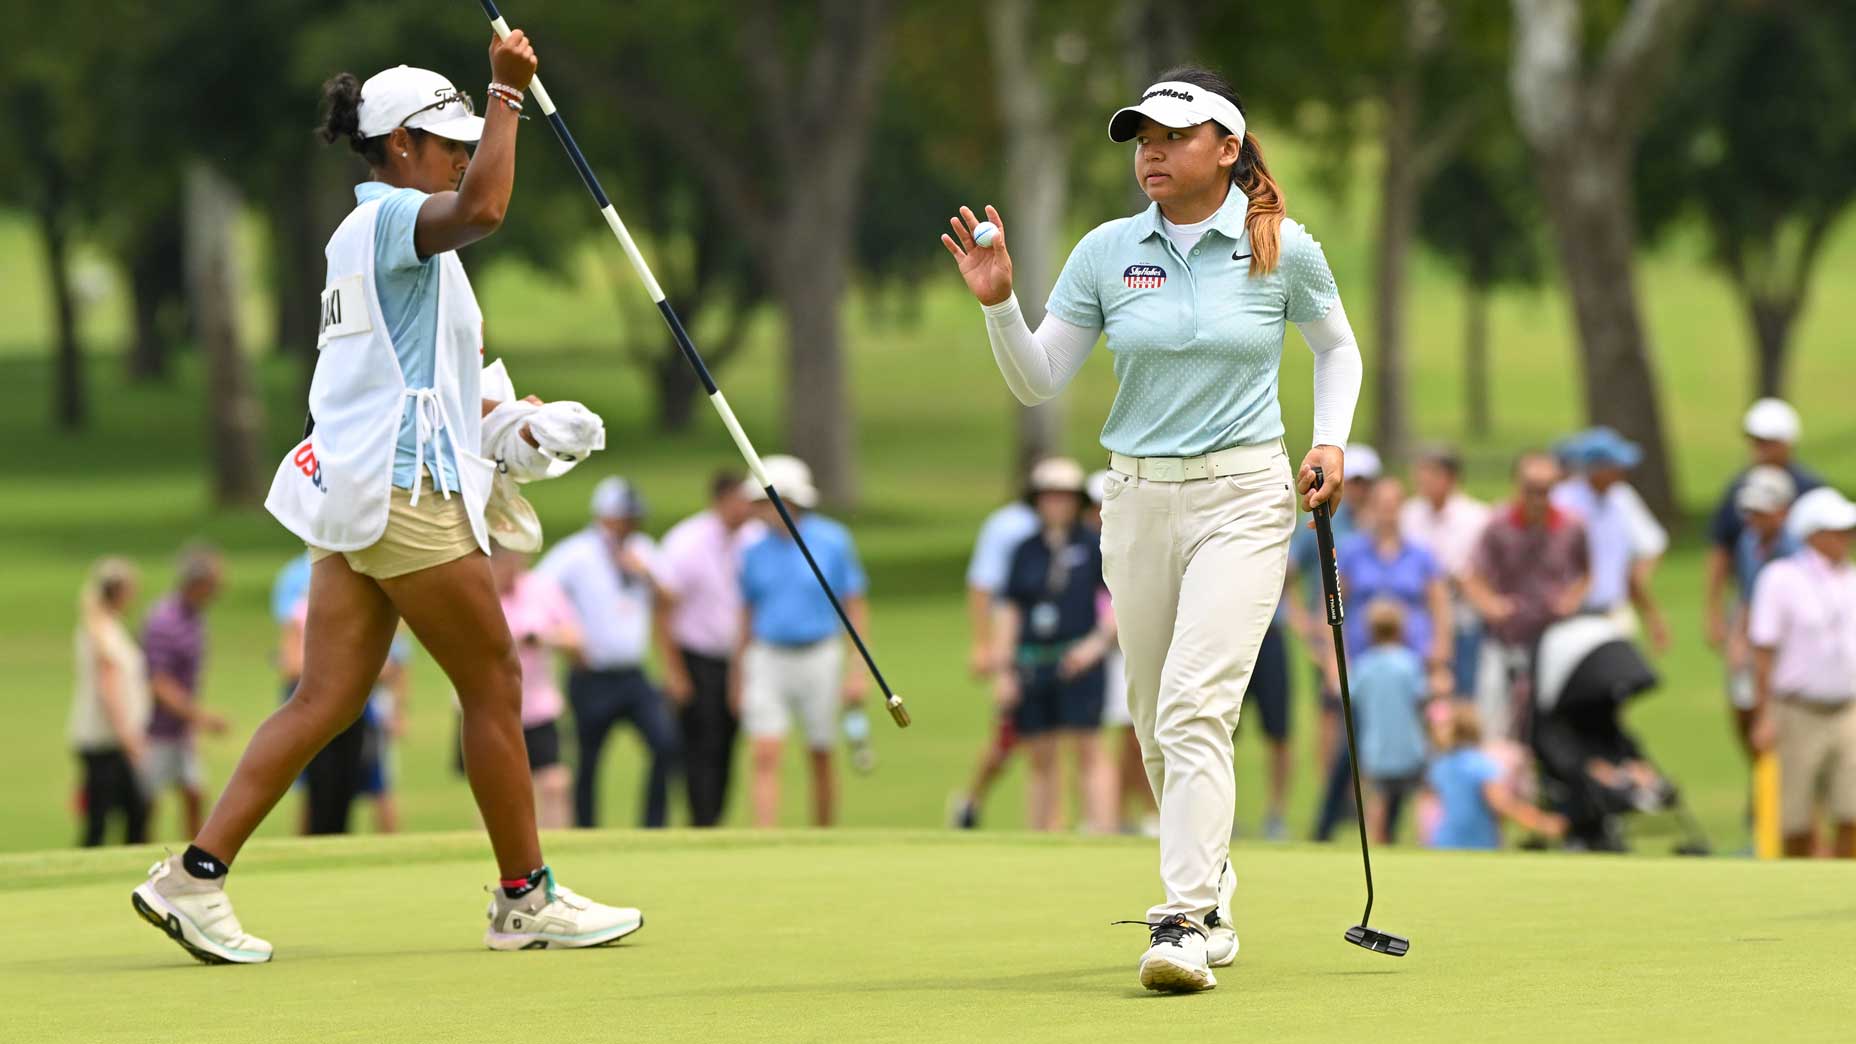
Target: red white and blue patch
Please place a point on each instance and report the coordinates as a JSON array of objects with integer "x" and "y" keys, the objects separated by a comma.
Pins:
[{"x": 1144, "y": 277}]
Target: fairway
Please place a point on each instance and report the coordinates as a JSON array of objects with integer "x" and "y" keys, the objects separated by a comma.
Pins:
[{"x": 930, "y": 937}]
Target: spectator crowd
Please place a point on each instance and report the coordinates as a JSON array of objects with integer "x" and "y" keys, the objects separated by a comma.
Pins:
[
  {"x": 744, "y": 640},
  {"x": 1492, "y": 648},
  {"x": 1491, "y": 651}
]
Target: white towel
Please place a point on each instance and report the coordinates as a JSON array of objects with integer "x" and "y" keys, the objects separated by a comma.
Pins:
[{"x": 567, "y": 433}]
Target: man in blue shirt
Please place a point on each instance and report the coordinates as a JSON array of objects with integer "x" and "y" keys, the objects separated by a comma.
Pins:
[
  {"x": 1008, "y": 526},
  {"x": 791, "y": 664}
]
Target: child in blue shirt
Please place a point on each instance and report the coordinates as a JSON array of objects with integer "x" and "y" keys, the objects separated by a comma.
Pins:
[
  {"x": 1388, "y": 690},
  {"x": 1471, "y": 796}
]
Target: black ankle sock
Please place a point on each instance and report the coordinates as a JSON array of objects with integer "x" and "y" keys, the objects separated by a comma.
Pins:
[
  {"x": 203, "y": 864},
  {"x": 517, "y": 887}
]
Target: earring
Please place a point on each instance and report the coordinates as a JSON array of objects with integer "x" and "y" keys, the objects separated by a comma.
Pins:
[{"x": 404, "y": 153}]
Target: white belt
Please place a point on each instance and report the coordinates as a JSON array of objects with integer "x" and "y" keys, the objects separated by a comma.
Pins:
[{"x": 1233, "y": 460}]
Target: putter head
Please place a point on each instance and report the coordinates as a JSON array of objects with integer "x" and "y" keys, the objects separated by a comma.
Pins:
[
  {"x": 1378, "y": 942},
  {"x": 898, "y": 711}
]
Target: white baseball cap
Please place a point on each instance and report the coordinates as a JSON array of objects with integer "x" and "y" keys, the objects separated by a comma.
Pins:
[
  {"x": 1058, "y": 475},
  {"x": 419, "y": 99},
  {"x": 1175, "y": 103},
  {"x": 1363, "y": 462},
  {"x": 616, "y": 498},
  {"x": 1773, "y": 420},
  {"x": 790, "y": 476},
  {"x": 1821, "y": 510},
  {"x": 1766, "y": 488}
]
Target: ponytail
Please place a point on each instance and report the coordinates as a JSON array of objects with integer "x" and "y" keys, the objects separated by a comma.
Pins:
[
  {"x": 1264, "y": 218},
  {"x": 341, "y": 106}
]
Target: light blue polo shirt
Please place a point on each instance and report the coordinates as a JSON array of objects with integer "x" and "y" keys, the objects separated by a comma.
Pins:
[
  {"x": 784, "y": 600},
  {"x": 407, "y": 286},
  {"x": 1197, "y": 339}
]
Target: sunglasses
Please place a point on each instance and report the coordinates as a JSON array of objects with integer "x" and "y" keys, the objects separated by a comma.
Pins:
[{"x": 456, "y": 97}]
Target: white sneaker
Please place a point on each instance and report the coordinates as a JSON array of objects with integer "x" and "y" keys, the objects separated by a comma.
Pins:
[
  {"x": 1220, "y": 936},
  {"x": 1175, "y": 960},
  {"x": 196, "y": 914},
  {"x": 555, "y": 918}
]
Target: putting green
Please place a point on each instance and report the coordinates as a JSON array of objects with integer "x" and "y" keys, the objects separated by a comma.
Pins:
[{"x": 932, "y": 937}]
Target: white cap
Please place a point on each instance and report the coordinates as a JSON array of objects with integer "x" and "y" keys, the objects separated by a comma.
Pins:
[
  {"x": 615, "y": 498},
  {"x": 1765, "y": 488},
  {"x": 1773, "y": 420},
  {"x": 790, "y": 476},
  {"x": 1174, "y": 103},
  {"x": 1362, "y": 462},
  {"x": 1821, "y": 510},
  {"x": 1058, "y": 475},
  {"x": 420, "y": 99}
]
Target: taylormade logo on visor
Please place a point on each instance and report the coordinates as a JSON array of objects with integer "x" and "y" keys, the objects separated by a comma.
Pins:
[{"x": 1176, "y": 104}]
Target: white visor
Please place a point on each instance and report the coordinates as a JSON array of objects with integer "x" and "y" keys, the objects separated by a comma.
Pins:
[
  {"x": 1172, "y": 103},
  {"x": 418, "y": 99}
]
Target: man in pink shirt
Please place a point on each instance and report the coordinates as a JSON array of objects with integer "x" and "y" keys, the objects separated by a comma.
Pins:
[
  {"x": 542, "y": 622},
  {"x": 1803, "y": 630},
  {"x": 699, "y": 567},
  {"x": 1448, "y": 523}
]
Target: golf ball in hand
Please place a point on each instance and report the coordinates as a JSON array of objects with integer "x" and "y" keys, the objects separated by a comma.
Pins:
[{"x": 985, "y": 233}]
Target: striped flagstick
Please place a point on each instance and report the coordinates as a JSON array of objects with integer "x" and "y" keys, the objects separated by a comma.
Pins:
[{"x": 716, "y": 399}]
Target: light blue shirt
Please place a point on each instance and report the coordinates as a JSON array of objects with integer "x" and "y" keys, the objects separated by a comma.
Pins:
[
  {"x": 407, "y": 286},
  {"x": 290, "y": 587},
  {"x": 613, "y": 607},
  {"x": 1610, "y": 541},
  {"x": 1387, "y": 685},
  {"x": 1467, "y": 821},
  {"x": 783, "y": 597},
  {"x": 1000, "y": 535},
  {"x": 1197, "y": 340}
]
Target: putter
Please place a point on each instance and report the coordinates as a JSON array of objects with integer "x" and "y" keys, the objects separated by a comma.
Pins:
[
  {"x": 1359, "y": 935},
  {"x": 890, "y": 700}
]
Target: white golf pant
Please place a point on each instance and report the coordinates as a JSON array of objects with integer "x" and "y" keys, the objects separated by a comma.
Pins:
[{"x": 1195, "y": 569}]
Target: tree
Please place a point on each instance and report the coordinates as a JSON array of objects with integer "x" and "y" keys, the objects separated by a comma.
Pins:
[
  {"x": 1479, "y": 212},
  {"x": 1759, "y": 139},
  {"x": 779, "y": 135},
  {"x": 50, "y": 192},
  {"x": 235, "y": 414},
  {"x": 1583, "y": 125}
]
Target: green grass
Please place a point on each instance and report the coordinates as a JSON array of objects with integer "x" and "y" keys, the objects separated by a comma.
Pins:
[{"x": 928, "y": 937}]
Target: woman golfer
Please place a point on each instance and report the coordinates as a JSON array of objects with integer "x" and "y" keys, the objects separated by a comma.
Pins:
[
  {"x": 1198, "y": 509},
  {"x": 388, "y": 492}
]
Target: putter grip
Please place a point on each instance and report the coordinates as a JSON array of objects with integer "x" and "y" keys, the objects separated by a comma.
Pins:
[{"x": 1330, "y": 569}]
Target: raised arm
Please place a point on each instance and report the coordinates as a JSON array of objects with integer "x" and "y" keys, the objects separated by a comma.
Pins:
[{"x": 450, "y": 220}]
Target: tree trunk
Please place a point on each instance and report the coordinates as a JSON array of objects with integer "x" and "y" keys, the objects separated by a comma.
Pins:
[
  {"x": 1582, "y": 120},
  {"x": 1398, "y": 218},
  {"x": 1588, "y": 196},
  {"x": 1037, "y": 161},
  {"x": 675, "y": 387},
  {"x": 821, "y": 428},
  {"x": 1772, "y": 332},
  {"x": 70, "y": 405},
  {"x": 234, "y": 411},
  {"x": 157, "y": 288},
  {"x": 1476, "y": 352}
]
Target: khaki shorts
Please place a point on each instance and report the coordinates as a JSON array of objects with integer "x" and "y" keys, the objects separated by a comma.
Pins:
[
  {"x": 433, "y": 533},
  {"x": 1817, "y": 762}
]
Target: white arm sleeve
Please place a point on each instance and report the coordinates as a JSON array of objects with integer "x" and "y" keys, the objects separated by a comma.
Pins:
[
  {"x": 1037, "y": 366},
  {"x": 1338, "y": 372}
]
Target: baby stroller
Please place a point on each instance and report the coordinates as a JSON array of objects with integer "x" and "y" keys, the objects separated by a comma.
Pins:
[{"x": 1592, "y": 771}]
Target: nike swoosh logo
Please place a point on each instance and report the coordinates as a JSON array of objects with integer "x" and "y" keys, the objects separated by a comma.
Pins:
[{"x": 1239, "y": 257}]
